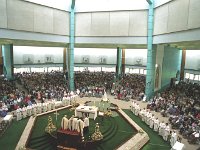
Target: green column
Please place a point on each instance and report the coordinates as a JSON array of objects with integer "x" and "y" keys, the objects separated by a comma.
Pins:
[
  {"x": 7, "y": 53},
  {"x": 119, "y": 63},
  {"x": 151, "y": 53},
  {"x": 71, "y": 47}
]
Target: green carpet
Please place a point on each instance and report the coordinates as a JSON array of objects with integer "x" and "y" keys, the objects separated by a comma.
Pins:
[
  {"x": 12, "y": 135},
  {"x": 156, "y": 142},
  {"x": 114, "y": 129}
]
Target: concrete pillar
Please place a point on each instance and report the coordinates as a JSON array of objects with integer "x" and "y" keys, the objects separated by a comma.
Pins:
[
  {"x": 151, "y": 53},
  {"x": 71, "y": 47},
  {"x": 123, "y": 61},
  {"x": 119, "y": 63},
  {"x": 7, "y": 52},
  {"x": 182, "y": 72}
]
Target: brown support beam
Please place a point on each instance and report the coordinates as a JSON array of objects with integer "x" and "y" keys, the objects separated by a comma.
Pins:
[
  {"x": 64, "y": 60},
  {"x": 183, "y": 64},
  {"x": 123, "y": 61},
  {"x": 1, "y": 61}
]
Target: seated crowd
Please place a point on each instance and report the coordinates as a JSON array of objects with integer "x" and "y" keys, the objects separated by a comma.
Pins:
[
  {"x": 93, "y": 83},
  {"x": 10, "y": 96},
  {"x": 130, "y": 86},
  {"x": 180, "y": 102}
]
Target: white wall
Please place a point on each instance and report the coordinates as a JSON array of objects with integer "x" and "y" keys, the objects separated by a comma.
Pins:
[
  {"x": 26, "y": 16},
  {"x": 119, "y": 23},
  {"x": 177, "y": 15}
]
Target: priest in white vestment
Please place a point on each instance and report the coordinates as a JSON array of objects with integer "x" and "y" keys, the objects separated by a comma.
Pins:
[
  {"x": 80, "y": 126},
  {"x": 156, "y": 124},
  {"x": 166, "y": 132},
  {"x": 162, "y": 128},
  {"x": 151, "y": 121},
  {"x": 70, "y": 123},
  {"x": 86, "y": 124},
  {"x": 137, "y": 109},
  {"x": 64, "y": 123},
  {"x": 173, "y": 138}
]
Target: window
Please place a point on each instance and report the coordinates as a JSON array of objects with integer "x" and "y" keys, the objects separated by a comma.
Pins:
[
  {"x": 196, "y": 77},
  {"x": 141, "y": 71},
  {"x": 136, "y": 71},
  {"x": 20, "y": 70},
  {"x": 187, "y": 75},
  {"x": 127, "y": 70},
  {"x": 191, "y": 76}
]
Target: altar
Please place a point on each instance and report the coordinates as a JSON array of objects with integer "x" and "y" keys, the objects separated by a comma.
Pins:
[{"x": 91, "y": 111}]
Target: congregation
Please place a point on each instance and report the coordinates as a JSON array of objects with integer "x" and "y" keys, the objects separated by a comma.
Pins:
[
  {"x": 180, "y": 103},
  {"x": 48, "y": 90}
]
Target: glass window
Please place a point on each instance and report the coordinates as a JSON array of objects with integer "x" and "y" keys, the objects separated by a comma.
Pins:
[
  {"x": 141, "y": 71},
  {"x": 136, "y": 70},
  {"x": 191, "y": 76},
  {"x": 145, "y": 72},
  {"x": 127, "y": 70},
  {"x": 187, "y": 75},
  {"x": 20, "y": 70},
  {"x": 53, "y": 69},
  {"x": 41, "y": 69},
  {"x": 94, "y": 69},
  {"x": 108, "y": 69},
  {"x": 196, "y": 77}
]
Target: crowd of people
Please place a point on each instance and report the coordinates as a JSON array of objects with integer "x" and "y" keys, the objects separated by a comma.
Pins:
[
  {"x": 130, "y": 86},
  {"x": 93, "y": 84},
  {"x": 181, "y": 104},
  {"x": 49, "y": 85},
  {"x": 10, "y": 96}
]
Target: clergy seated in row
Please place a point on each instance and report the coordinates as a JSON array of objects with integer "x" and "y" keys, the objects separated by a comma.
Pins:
[{"x": 75, "y": 124}]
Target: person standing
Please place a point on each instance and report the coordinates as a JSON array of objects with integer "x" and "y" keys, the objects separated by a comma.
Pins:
[
  {"x": 173, "y": 138},
  {"x": 86, "y": 124},
  {"x": 64, "y": 123}
]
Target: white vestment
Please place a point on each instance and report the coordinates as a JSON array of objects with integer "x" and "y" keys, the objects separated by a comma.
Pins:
[
  {"x": 24, "y": 112},
  {"x": 137, "y": 109},
  {"x": 86, "y": 122},
  {"x": 166, "y": 133},
  {"x": 173, "y": 139},
  {"x": 70, "y": 123},
  {"x": 64, "y": 123},
  {"x": 151, "y": 122},
  {"x": 80, "y": 126},
  {"x": 161, "y": 129},
  {"x": 19, "y": 114},
  {"x": 29, "y": 109},
  {"x": 156, "y": 125},
  {"x": 74, "y": 123}
]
